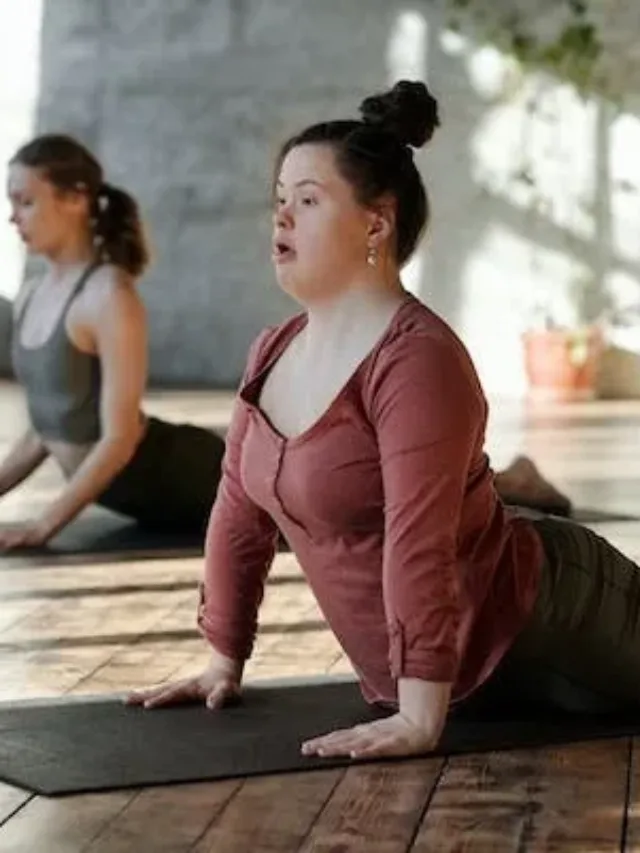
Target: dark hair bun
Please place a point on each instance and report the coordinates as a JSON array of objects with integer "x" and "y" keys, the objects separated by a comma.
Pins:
[{"x": 408, "y": 111}]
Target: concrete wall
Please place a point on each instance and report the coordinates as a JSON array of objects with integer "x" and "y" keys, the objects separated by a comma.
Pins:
[{"x": 186, "y": 104}]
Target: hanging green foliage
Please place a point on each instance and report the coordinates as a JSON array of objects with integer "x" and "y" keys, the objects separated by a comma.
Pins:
[{"x": 573, "y": 54}]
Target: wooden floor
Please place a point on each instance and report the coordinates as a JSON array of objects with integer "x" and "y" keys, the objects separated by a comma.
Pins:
[{"x": 89, "y": 625}]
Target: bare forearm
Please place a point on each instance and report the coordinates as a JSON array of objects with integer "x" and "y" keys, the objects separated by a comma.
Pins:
[
  {"x": 22, "y": 460},
  {"x": 425, "y": 704},
  {"x": 101, "y": 466}
]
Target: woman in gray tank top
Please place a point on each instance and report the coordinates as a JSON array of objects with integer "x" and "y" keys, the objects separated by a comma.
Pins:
[{"x": 80, "y": 353}]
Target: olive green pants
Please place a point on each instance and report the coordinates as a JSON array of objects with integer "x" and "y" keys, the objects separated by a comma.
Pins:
[{"x": 580, "y": 650}]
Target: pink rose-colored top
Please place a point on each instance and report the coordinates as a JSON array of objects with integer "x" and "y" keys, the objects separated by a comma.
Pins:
[{"x": 388, "y": 502}]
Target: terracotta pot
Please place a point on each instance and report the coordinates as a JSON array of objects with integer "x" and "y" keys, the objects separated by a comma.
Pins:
[{"x": 562, "y": 364}]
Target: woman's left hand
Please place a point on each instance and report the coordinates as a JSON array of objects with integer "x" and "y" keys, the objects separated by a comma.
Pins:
[
  {"x": 390, "y": 736},
  {"x": 27, "y": 534}
]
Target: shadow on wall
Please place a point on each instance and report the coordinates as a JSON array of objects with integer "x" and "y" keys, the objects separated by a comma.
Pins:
[
  {"x": 469, "y": 272},
  {"x": 5, "y": 337},
  {"x": 504, "y": 242}
]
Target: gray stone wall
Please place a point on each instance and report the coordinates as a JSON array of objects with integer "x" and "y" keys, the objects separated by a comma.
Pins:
[{"x": 186, "y": 102}]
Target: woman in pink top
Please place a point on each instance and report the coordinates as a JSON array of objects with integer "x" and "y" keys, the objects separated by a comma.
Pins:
[{"x": 359, "y": 432}]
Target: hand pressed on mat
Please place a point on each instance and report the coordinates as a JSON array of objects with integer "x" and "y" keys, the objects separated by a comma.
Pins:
[
  {"x": 26, "y": 534},
  {"x": 217, "y": 685},
  {"x": 415, "y": 729},
  {"x": 392, "y": 736}
]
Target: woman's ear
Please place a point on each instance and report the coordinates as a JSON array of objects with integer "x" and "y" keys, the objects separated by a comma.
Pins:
[
  {"x": 76, "y": 201},
  {"x": 381, "y": 222}
]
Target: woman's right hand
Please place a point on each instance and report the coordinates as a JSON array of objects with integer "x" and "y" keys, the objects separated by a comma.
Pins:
[{"x": 218, "y": 684}]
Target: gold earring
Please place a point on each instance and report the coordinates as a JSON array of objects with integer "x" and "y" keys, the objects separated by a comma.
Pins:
[{"x": 372, "y": 256}]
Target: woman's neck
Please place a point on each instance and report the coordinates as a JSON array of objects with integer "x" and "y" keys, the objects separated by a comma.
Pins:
[
  {"x": 353, "y": 307},
  {"x": 70, "y": 256}
]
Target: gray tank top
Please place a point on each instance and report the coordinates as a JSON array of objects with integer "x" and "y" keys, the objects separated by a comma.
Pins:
[{"x": 61, "y": 383}]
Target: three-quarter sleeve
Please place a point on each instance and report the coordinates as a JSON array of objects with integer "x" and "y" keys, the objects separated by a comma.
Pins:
[
  {"x": 240, "y": 546},
  {"x": 428, "y": 413}
]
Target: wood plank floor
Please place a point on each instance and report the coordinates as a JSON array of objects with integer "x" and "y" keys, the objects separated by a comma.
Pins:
[{"x": 88, "y": 625}]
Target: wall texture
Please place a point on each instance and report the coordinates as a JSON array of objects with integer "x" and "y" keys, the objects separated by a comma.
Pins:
[{"x": 186, "y": 103}]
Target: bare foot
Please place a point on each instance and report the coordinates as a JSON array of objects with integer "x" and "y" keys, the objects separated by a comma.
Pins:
[{"x": 522, "y": 484}]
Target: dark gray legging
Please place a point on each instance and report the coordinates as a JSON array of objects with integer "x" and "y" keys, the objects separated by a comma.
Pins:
[
  {"x": 580, "y": 650},
  {"x": 172, "y": 480}
]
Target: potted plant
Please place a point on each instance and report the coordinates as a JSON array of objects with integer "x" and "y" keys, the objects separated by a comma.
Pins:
[
  {"x": 563, "y": 345},
  {"x": 563, "y": 364}
]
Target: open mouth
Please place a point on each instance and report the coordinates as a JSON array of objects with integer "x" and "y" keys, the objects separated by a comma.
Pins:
[{"x": 282, "y": 252}]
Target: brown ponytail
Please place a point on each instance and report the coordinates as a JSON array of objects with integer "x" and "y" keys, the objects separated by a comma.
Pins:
[{"x": 118, "y": 229}]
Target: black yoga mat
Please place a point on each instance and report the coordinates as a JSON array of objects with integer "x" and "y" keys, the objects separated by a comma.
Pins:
[
  {"x": 102, "y": 532},
  {"x": 594, "y": 516},
  {"x": 105, "y": 533},
  {"x": 63, "y": 746},
  {"x": 587, "y": 516}
]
